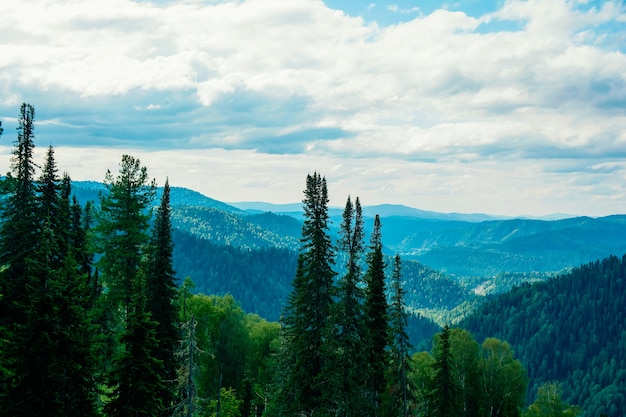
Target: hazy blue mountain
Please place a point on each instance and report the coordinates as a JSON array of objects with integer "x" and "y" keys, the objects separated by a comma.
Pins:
[
  {"x": 179, "y": 196},
  {"x": 383, "y": 210},
  {"x": 449, "y": 258},
  {"x": 517, "y": 245},
  {"x": 293, "y": 209}
]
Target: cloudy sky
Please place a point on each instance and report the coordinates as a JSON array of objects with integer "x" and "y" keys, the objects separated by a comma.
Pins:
[{"x": 511, "y": 107}]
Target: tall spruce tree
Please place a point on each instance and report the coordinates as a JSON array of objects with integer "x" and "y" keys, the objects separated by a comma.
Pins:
[
  {"x": 304, "y": 390},
  {"x": 400, "y": 346},
  {"x": 161, "y": 293},
  {"x": 78, "y": 392},
  {"x": 348, "y": 341},
  {"x": 377, "y": 318},
  {"x": 137, "y": 375},
  {"x": 50, "y": 366},
  {"x": 445, "y": 393},
  {"x": 79, "y": 238},
  {"x": 20, "y": 227},
  {"x": 19, "y": 237},
  {"x": 53, "y": 209},
  {"x": 123, "y": 229}
]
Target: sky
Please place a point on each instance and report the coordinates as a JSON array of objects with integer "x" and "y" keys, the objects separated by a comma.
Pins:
[{"x": 504, "y": 107}]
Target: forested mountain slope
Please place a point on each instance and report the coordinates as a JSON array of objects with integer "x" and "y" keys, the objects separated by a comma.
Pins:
[
  {"x": 455, "y": 256},
  {"x": 481, "y": 245},
  {"x": 570, "y": 329},
  {"x": 242, "y": 231},
  {"x": 260, "y": 277},
  {"x": 519, "y": 245}
]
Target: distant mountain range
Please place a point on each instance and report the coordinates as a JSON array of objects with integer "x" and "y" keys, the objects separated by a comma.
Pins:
[
  {"x": 385, "y": 210},
  {"x": 456, "y": 254}
]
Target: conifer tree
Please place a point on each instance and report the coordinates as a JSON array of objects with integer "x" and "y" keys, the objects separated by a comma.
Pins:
[
  {"x": 400, "y": 346},
  {"x": 60, "y": 295},
  {"x": 377, "y": 317},
  {"x": 136, "y": 377},
  {"x": 79, "y": 242},
  {"x": 77, "y": 392},
  {"x": 161, "y": 288},
  {"x": 308, "y": 308},
  {"x": 122, "y": 239},
  {"x": 444, "y": 398},
  {"x": 19, "y": 228},
  {"x": 77, "y": 299},
  {"x": 123, "y": 229},
  {"x": 51, "y": 363},
  {"x": 19, "y": 236},
  {"x": 50, "y": 209},
  {"x": 348, "y": 340}
]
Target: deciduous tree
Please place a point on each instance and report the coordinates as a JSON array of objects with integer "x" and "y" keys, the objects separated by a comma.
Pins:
[
  {"x": 549, "y": 404},
  {"x": 504, "y": 379}
]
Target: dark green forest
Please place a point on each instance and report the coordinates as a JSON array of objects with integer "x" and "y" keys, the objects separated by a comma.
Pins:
[
  {"x": 95, "y": 320},
  {"x": 569, "y": 329}
]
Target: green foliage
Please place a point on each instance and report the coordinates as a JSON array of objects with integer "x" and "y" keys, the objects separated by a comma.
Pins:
[
  {"x": 431, "y": 290},
  {"x": 46, "y": 334},
  {"x": 377, "y": 321},
  {"x": 503, "y": 379},
  {"x": 462, "y": 378},
  {"x": 348, "y": 341},
  {"x": 444, "y": 395},
  {"x": 122, "y": 228},
  {"x": 137, "y": 375},
  {"x": 161, "y": 294},
  {"x": 466, "y": 355},
  {"x": 309, "y": 307},
  {"x": 423, "y": 372},
  {"x": 235, "y": 229},
  {"x": 231, "y": 349},
  {"x": 259, "y": 278},
  {"x": 569, "y": 329},
  {"x": 20, "y": 226},
  {"x": 228, "y": 404},
  {"x": 549, "y": 404},
  {"x": 399, "y": 366}
]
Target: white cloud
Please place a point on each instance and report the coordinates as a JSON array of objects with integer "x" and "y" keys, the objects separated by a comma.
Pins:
[{"x": 436, "y": 93}]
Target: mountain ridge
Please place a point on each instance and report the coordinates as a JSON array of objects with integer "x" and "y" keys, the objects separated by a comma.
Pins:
[
  {"x": 387, "y": 209},
  {"x": 478, "y": 257}
]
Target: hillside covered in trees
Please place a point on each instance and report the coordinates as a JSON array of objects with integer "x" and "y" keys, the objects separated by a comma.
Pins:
[
  {"x": 570, "y": 329},
  {"x": 96, "y": 321},
  {"x": 447, "y": 261}
]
